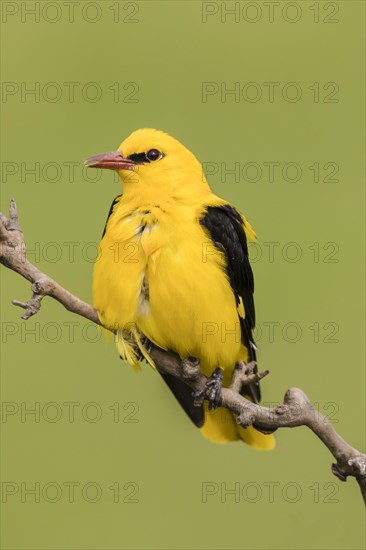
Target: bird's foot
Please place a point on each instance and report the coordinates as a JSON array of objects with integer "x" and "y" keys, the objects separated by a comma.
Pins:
[{"x": 211, "y": 390}]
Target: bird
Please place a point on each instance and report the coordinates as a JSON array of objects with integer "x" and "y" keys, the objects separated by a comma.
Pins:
[{"x": 173, "y": 269}]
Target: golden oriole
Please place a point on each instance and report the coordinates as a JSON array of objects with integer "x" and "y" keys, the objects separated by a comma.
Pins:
[{"x": 173, "y": 267}]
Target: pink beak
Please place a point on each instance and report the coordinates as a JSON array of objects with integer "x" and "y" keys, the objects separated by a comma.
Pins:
[{"x": 112, "y": 161}]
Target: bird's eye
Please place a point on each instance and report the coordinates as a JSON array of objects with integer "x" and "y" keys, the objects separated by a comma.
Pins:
[{"x": 153, "y": 154}]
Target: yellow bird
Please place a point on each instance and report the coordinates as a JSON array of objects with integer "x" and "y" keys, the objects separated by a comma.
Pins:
[{"x": 173, "y": 267}]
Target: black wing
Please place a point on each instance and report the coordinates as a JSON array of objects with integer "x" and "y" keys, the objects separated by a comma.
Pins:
[
  {"x": 226, "y": 229},
  {"x": 115, "y": 201}
]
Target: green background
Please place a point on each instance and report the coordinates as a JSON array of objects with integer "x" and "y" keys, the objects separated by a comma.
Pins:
[{"x": 168, "y": 52}]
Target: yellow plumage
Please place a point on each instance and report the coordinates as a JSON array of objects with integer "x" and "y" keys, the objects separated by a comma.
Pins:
[{"x": 160, "y": 275}]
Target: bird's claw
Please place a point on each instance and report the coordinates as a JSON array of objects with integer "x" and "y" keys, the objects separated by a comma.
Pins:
[{"x": 212, "y": 389}]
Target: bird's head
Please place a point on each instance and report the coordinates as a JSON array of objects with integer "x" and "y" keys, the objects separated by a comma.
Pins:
[{"x": 150, "y": 161}]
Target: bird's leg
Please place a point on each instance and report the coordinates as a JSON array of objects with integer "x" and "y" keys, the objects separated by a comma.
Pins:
[{"x": 212, "y": 389}]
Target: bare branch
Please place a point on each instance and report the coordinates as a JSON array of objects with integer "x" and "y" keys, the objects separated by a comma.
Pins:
[{"x": 296, "y": 409}]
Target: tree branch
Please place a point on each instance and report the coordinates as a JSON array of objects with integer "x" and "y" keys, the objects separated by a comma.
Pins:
[{"x": 296, "y": 409}]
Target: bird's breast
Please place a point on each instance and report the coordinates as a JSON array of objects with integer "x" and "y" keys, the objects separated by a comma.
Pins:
[
  {"x": 159, "y": 270},
  {"x": 130, "y": 245}
]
